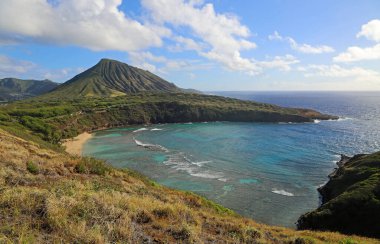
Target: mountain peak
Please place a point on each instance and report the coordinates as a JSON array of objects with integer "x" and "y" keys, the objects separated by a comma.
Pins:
[
  {"x": 112, "y": 78},
  {"x": 108, "y": 60}
]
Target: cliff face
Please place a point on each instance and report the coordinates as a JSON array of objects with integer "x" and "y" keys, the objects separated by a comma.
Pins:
[{"x": 350, "y": 200}]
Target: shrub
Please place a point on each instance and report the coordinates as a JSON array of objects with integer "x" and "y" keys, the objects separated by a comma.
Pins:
[
  {"x": 32, "y": 167},
  {"x": 143, "y": 217},
  {"x": 162, "y": 212},
  {"x": 92, "y": 166},
  {"x": 182, "y": 234}
]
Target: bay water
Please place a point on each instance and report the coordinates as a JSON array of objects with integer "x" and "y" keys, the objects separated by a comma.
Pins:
[{"x": 267, "y": 171}]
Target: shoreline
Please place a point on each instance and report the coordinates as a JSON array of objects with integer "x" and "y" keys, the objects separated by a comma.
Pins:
[{"x": 74, "y": 146}]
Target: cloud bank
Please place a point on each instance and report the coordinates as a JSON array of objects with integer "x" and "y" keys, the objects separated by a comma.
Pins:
[
  {"x": 370, "y": 31},
  {"x": 94, "y": 24}
]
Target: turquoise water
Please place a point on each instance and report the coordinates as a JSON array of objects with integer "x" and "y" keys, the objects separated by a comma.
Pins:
[{"x": 266, "y": 171}]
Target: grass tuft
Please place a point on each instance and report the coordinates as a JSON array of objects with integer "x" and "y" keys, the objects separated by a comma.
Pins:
[{"x": 32, "y": 168}]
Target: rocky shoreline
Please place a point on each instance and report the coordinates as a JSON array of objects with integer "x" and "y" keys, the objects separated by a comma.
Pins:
[
  {"x": 350, "y": 200},
  {"x": 322, "y": 190}
]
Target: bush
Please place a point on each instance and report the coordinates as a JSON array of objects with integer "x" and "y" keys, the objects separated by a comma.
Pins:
[
  {"x": 182, "y": 234},
  {"x": 92, "y": 166},
  {"x": 162, "y": 212},
  {"x": 143, "y": 217},
  {"x": 32, "y": 167}
]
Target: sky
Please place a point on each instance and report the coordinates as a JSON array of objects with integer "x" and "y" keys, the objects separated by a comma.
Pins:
[{"x": 221, "y": 45}]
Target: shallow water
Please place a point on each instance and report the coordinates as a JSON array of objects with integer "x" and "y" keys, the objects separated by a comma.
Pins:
[{"x": 267, "y": 171}]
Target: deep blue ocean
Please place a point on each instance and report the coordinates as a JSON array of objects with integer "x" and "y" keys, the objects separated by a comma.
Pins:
[{"x": 267, "y": 171}]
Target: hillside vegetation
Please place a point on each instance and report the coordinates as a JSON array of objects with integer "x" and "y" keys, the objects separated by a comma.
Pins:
[
  {"x": 16, "y": 89},
  {"x": 351, "y": 199},
  {"x": 48, "y": 196},
  {"x": 56, "y": 119}
]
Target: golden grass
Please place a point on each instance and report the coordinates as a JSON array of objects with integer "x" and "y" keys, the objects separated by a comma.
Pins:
[{"x": 59, "y": 203}]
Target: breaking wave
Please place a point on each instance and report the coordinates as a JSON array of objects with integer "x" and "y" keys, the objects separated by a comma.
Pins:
[
  {"x": 283, "y": 192},
  {"x": 151, "y": 146}
]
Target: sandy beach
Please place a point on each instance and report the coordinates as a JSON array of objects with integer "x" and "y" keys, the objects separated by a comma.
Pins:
[{"x": 74, "y": 146}]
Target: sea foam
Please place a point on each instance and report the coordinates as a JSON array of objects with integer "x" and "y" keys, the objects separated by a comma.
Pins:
[
  {"x": 283, "y": 192},
  {"x": 151, "y": 146},
  {"x": 141, "y": 129}
]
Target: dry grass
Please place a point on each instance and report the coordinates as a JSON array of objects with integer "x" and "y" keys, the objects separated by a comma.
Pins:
[{"x": 51, "y": 197}]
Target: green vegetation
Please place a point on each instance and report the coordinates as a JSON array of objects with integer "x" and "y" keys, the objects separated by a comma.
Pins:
[
  {"x": 58, "y": 198},
  {"x": 48, "y": 196},
  {"x": 112, "y": 94},
  {"x": 91, "y": 166},
  {"x": 16, "y": 89},
  {"x": 32, "y": 167},
  {"x": 56, "y": 119},
  {"x": 351, "y": 199}
]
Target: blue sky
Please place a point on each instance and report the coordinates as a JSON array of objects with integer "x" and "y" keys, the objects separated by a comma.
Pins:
[{"x": 206, "y": 45}]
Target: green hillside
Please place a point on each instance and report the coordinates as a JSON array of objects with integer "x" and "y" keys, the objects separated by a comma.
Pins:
[
  {"x": 16, "y": 89},
  {"x": 110, "y": 78},
  {"x": 48, "y": 196},
  {"x": 54, "y": 119},
  {"x": 351, "y": 199}
]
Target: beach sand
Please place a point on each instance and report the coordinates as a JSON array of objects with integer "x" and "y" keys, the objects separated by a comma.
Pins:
[{"x": 74, "y": 146}]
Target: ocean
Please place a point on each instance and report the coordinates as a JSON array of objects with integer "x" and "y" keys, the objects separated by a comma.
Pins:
[{"x": 267, "y": 171}]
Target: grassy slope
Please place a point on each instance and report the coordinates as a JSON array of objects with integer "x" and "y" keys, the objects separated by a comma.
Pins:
[
  {"x": 352, "y": 199},
  {"x": 49, "y": 196},
  {"x": 57, "y": 119}
]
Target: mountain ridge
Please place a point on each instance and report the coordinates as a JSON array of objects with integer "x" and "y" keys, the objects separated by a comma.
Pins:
[
  {"x": 110, "y": 78},
  {"x": 16, "y": 89}
]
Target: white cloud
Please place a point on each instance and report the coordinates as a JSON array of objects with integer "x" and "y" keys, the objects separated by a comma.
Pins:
[
  {"x": 337, "y": 71},
  {"x": 138, "y": 57},
  {"x": 223, "y": 33},
  {"x": 163, "y": 65},
  {"x": 304, "y": 48},
  {"x": 11, "y": 67},
  {"x": 279, "y": 62},
  {"x": 183, "y": 44},
  {"x": 371, "y": 31},
  {"x": 359, "y": 53},
  {"x": 58, "y": 75},
  {"x": 336, "y": 77},
  {"x": 93, "y": 24}
]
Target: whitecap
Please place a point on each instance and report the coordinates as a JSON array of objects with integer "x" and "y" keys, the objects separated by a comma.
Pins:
[
  {"x": 283, "y": 192},
  {"x": 207, "y": 175},
  {"x": 317, "y": 121},
  {"x": 201, "y": 163},
  {"x": 344, "y": 118},
  {"x": 222, "y": 179},
  {"x": 155, "y": 129},
  {"x": 340, "y": 119},
  {"x": 141, "y": 129},
  {"x": 151, "y": 146},
  {"x": 180, "y": 162}
]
